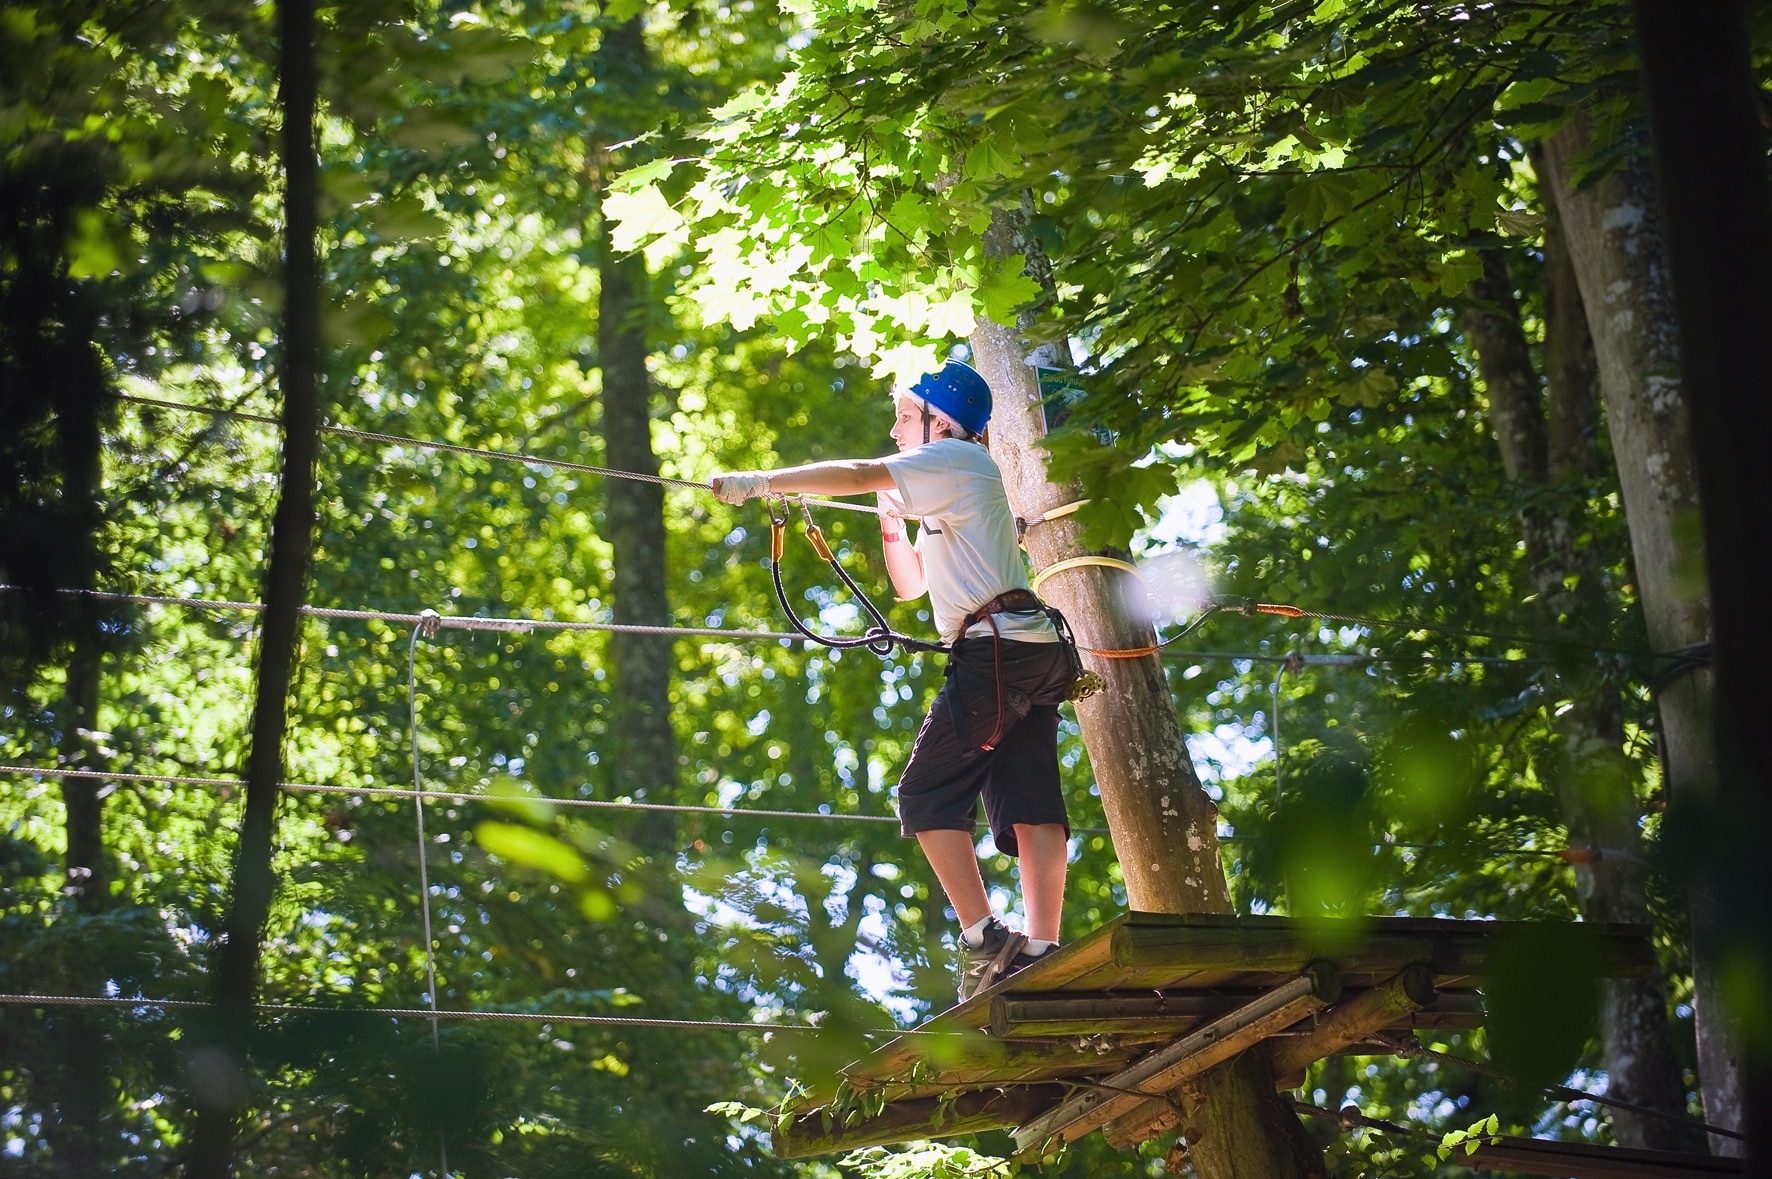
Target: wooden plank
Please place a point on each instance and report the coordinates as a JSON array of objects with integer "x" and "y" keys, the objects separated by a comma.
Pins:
[
  {"x": 1167, "y": 1014},
  {"x": 1578, "y": 1160},
  {"x": 1351, "y": 1021},
  {"x": 986, "y": 1061},
  {"x": 1459, "y": 1009},
  {"x": 1461, "y": 948},
  {"x": 806, "y": 1134},
  {"x": 1062, "y": 1014},
  {"x": 1348, "y": 1022},
  {"x": 1162, "y": 1070},
  {"x": 1145, "y": 953}
]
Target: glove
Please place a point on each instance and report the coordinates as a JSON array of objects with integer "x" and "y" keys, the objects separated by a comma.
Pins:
[{"x": 740, "y": 486}]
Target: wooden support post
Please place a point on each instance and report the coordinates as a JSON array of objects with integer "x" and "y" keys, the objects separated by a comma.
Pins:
[
  {"x": 1189, "y": 1056},
  {"x": 923, "y": 1117},
  {"x": 1352, "y": 1021}
]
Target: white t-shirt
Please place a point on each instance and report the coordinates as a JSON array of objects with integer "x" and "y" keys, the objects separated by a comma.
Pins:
[{"x": 967, "y": 539}]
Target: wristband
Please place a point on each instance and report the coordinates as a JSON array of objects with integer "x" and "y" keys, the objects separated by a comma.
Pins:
[{"x": 889, "y": 537}]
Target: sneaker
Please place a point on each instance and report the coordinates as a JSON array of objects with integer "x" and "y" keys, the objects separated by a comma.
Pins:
[
  {"x": 1023, "y": 959},
  {"x": 985, "y": 963}
]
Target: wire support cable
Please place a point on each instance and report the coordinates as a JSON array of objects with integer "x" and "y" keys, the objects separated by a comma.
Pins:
[
  {"x": 633, "y": 1021},
  {"x": 472, "y": 451},
  {"x": 442, "y": 621},
  {"x": 398, "y": 793},
  {"x": 1587, "y": 855}
]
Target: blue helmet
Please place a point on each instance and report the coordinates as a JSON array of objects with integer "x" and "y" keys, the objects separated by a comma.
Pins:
[{"x": 959, "y": 394}]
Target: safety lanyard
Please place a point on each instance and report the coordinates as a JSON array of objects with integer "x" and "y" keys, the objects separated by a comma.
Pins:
[{"x": 879, "y": 638}]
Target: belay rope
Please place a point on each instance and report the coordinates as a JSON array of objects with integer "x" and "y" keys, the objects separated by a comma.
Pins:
[{"x": 879, "y": 638}]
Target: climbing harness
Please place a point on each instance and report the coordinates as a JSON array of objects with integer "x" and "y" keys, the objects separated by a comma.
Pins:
[
  {"x": 1084, "y": 683},
  {"x": 879, "y": 638}
]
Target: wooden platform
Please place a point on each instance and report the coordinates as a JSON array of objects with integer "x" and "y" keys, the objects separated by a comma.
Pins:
[{"x": 1096, "y": 1036}]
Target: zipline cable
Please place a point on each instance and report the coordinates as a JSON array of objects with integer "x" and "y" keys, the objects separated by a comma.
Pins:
[
  {"x": 1681, "y": 661},
  {"x": 634, "y": 1021},
  {"x": 443, "y": 621},
  {"x": 474, "y": 451},
  {"x": 524, "y": 625}
]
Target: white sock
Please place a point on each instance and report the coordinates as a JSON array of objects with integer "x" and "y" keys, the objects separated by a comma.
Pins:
[
  {"x": 1035, "y": 947},
  {"x": 973, "y": 935}
]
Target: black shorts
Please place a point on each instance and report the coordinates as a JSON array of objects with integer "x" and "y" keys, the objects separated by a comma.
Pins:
[{"x": 950, "y": 769}]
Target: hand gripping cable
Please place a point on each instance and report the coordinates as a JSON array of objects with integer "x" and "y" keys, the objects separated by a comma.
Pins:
[{"x": 880, "y": 638}]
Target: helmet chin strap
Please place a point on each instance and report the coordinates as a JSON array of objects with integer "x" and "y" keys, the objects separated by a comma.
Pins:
[{"x": 926, "y": 417}]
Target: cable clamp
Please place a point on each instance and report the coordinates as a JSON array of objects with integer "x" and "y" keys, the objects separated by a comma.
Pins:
[{"x": 429, "y": 622}]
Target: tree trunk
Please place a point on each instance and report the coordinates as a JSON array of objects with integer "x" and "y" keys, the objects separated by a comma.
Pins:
[
  {"x": 218, "y": 1068},
  {"x": 1593, "y": 778},
  {"x": 645, "y": 761},
  {"x": 1710, "y": 155},
  {"x": 1614, "y": 236},
  {"x": 88, "y": 883},
  {"x": 1163, "y": 825}
]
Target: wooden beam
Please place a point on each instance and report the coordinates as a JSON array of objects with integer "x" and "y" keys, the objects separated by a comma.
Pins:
[
  {"x": 1159, "y": 1072},
  {"x": 1098, "y": 1014},
  {"x": 1167, "y": 1014},
  {"x": 1348, "y": 1022},
  {"x": 1450, "y": 1009},
  {"x": 1578, "y": 1160},
  {"x": 986, "y": 1061},
  {"x": 1159, "y": 955},
  {"x": 1173, "y": 952},
  {"x": 1351, "y": 1021},
  {"x": 806, "y": 1134}
]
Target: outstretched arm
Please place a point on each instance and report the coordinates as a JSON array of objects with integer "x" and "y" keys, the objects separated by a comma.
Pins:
[{"x": 840, "y": 477}]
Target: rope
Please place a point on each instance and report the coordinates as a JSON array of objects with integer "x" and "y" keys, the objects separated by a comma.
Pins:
[
  {"x": 1058, "y": 567},
  {"x": 1022, "y": 526},
  {"x": 474, "y": 451},
  {"x": 632, "y": 1021}
]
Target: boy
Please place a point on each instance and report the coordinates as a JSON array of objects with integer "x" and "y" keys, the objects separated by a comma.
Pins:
[{"x": 993, "y": 729}]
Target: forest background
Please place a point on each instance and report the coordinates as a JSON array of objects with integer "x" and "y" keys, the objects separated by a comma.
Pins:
[{"x": 1319, "y": 271}]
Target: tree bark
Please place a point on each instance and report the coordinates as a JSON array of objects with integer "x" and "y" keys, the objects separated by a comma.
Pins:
[
  {"x": 1614, "y": 233},
  {"x": 1163, "y": 825},
  {"x": 88, "y": 883},
  {"x": 645, "y": 754},
  {"x": 1593, "y": 779},
  {"x": 218, "y": 1067},
  {"x": 1710, "y": 156}
]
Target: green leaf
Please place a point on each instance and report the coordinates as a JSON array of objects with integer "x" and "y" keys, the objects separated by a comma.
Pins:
[
  {"x": 652, "y": 172},
  {"x": 1006, "y": 289},
  {"x": 93, "y": 248},
  {"x": 639, "y": 216},
  {"x": 532, "y": 849}
]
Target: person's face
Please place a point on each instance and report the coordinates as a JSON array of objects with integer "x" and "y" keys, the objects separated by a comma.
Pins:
[{"x": 907, "y": 430}]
